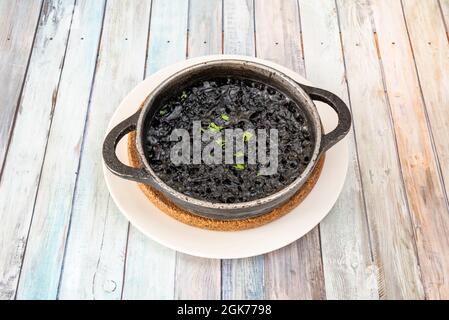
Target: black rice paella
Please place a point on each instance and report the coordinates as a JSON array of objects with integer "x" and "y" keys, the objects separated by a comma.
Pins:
[{"x": 222, "y": 103}]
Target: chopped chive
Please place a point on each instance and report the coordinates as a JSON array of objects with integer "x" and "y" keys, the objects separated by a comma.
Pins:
[
  {"x": 220, "y": 142},
  {"x": 162, "y": 112},
  {"x": 184, "y": 95},
  {"x": 239, "y": 154},
  {"x": 213, "y": 127},
  {"x": 239, "y": 166},
  {"x": 225, "y": 117},
  {"x": 247, "y": 136}
]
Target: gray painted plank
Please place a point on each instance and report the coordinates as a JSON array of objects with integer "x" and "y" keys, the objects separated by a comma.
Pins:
[
  {"x": 444, "y": 4},
  {"x": 389, "y": 221},
  {"x": 241, "y": 278},
  {"x": 97, "y": 243},
  {"x": 23, "y": 164},
  {"x": 205, "y": 27},
  {"x": 199, "y": 278},
  {"x": 295, "y": 271},
  {"x": 238, "y": 27},
  {"x": 431, "y": 53},
  {"x": 168, "y": 34},
  {"x": 150, "y": 267},
  {"x": 348, "y": 268},
  {"x": 46, "y": 242},
  {"x": 95, "y": 253},
  {"x": 425, "y": 193},
  {"x": 18, "y": 24}
]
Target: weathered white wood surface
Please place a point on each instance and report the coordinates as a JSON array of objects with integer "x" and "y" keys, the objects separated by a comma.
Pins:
[
  {"x": 431, "y": 54},
  {"x": 425, "y": 192},
  {"x": 150, "y": 267},
  {"x": 205, "y": 27},
  {"x": 95, "y": 252},
  {"x": 296, "y": 271},
  {"x": 388, "y": 217},
  {"x": 445, "y": 10},
  {"x": 42, "y": 265},
  {"x": 18, "y": 22},
  {"x": 28, "y": 144},
  {"x": 387, "y": 236},
  {"x": 346, "y": 252}
]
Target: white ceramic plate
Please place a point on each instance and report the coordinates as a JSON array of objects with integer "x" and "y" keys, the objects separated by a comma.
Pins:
[{"x": 217, "y": 244}]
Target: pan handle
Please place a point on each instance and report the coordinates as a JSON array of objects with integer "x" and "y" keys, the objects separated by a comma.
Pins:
[
  {"x": 344, "y": 115},
  {"x": 110, "y": 158}
]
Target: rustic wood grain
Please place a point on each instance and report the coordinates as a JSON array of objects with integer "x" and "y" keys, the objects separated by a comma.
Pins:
[
  {"x": 241, "y": 278},
  {"x": 431, "y": 55},
  {"x": 349, "y": 272},
  {"x": 205, "y": 27},
  {"x": 199, "y": 278},
  {"x": 425, "y": 194},
  {"x": 168, "y": 33},
  {"x": 444, "y": 4},
  {"x": 46, "y": 242},
  {"x": 278, "y": 35},
  {"x": 94, "y": 259},
  {"x": 150, "y": 267},
  {"x": 26, "y": 152},
  {"x": 295, "y": 271},
  {"x": 238, "y": 27},
  {"x": 386, "y": 204},
  {"x": 78, "y": 236},
  {"x": 18, "y": 24}
]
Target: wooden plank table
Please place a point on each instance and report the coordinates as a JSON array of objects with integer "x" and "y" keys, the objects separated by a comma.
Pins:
[{"x": 66, "y": 65}]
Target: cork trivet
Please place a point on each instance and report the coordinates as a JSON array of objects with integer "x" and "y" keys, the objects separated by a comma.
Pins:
[{"x": 168, "y": 207}]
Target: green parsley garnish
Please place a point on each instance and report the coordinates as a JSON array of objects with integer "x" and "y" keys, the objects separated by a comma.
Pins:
[
  {"x": 247, "y": 136},
  {"x": 162, "y": 112},
  {"x": 213, "y": 127},
  {"x": 239, "y": 166},
  {"x": 220, "y": 142},
  {"x": 225, "y": 117},
  {"x": 239, "y": 154},
  {"x": 184, "y": 95}
]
